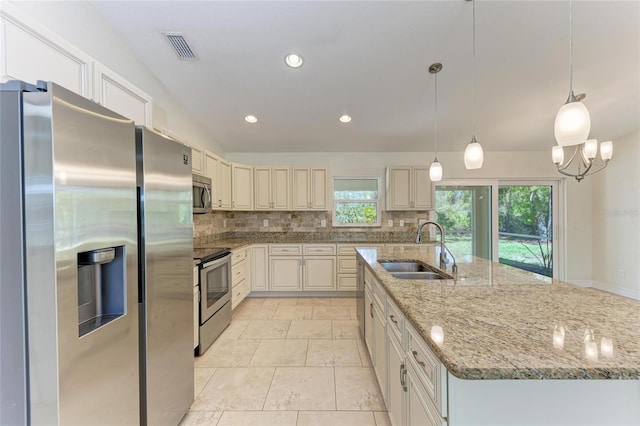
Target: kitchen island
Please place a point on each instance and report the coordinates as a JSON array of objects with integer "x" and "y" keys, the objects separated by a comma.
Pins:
[{"x": 516, "y": 347}]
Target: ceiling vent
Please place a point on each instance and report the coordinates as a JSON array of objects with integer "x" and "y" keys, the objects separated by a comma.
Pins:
[{"x": 180, "y": 46}]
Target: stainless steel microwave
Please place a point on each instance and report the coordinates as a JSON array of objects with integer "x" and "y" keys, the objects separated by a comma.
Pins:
[{"x": 201, "y": 194}]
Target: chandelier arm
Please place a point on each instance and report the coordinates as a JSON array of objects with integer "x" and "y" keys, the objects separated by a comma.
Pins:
[
  {"x": 568, "y": 163},
  {"x": 593, "y": 172}
]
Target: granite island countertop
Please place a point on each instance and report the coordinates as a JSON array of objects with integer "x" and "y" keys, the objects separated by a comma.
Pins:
[{"x": 499, "y": 321}]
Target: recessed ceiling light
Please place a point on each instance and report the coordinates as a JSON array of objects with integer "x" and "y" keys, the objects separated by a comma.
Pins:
[
  {"x": 293, "y": 60},
  {"x": 344, "y": 118},
  {"x": 251, "y": 119}
]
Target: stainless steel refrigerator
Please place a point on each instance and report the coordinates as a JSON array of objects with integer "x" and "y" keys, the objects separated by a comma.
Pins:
[
  {"x": 166, "y": 285},
  {"x": 79, "y": 185},
  {"x": 68, "y": 232}
]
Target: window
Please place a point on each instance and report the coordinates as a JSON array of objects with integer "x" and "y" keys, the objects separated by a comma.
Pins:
[
  {"x": 356, "y": 201},
  {"x": 508, "y": 221}
]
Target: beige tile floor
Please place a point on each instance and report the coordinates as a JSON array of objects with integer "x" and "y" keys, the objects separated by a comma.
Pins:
[{"x": 288, "y": 361}]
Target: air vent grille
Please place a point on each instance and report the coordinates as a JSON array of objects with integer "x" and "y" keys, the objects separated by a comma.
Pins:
[{"x": 180, "y": 46}]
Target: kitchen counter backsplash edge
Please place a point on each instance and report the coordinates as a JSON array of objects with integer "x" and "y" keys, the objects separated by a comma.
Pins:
[{"x": 236, "y": 239}]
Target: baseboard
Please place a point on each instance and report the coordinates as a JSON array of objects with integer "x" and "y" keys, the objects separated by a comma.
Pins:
[
  {"x": 616, "y": 289},
  {"x": 582, "y": 283}
]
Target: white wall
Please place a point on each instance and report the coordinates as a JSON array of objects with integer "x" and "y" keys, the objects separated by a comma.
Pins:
[
  {"x": 81, "y": 25},
  {"x": 513, "y": 165},
  {"x": 616, "y": 220}
]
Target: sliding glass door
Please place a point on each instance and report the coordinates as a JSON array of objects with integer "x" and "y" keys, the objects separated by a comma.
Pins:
[{"x": 508, "y": 221}]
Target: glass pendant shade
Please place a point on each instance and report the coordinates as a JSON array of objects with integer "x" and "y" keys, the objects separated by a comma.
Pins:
[
  {"x": 573, "y": 124},
  {"x": 435, "y": 171},
  {"x": 591, "y": 149},
  {"x": 606, "y": 150},
  {"x": 557, "y": 154},
  {"x": 473, "y": 155}
]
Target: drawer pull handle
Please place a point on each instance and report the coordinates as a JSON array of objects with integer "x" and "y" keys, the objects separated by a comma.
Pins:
[
  {"x": 371, "y": 309},
  {"x": 393, "y": 319},
  {"x": 403, "y": 377},
  {"x": 415, "y": 356}
]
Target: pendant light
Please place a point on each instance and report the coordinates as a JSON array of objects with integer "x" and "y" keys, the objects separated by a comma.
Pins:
[
  {"x": 435, "y": 171},
  {"x": 473, "y": 154},
  {"x": 572, "y": 127},
  {"x": 573, "y": 122}
]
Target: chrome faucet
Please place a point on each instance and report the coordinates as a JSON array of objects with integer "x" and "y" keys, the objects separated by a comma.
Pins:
[{"x": 443, "y": 248}]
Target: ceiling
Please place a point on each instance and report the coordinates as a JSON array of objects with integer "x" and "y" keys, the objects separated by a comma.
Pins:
[{"x": 370, "y": 59}]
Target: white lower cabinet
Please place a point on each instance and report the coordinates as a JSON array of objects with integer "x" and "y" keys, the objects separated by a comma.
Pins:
[
  {"x": 285, "y": 273},
  {"x": 319, "y": 273},
  {"x": 240, "y": 275},
  {"x": 260, "y": 267},
  {"x": 409, "y": 374},
  {"x": 397, "y": 381}
]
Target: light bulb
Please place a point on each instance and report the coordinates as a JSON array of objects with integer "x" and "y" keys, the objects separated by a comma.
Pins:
[
  {"x": 591, "y": 149},
  {"x": 572, "y": 124},
  {"x": 473, "y": 155},
  {"x": 252, "y": 119},
  {"x": 606, "y": 150},
  {"x": 293, "y": 60},
  {"x": 344, "y": 118},
  {"x": 435, "y": 171},
  {"x": 437, "y": 334},
  {"x": 557, "y": 154}
]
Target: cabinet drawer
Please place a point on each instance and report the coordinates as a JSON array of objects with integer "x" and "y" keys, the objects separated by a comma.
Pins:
[
  {"x": 319, "y": 249},
  {"x": 368, "y": 279},
  {"x": 347, "y": 282},
  {"x": 426, "y": 365},
  {"x": 238, "y": 272},
  {"x": 347, "y": 264},
  {"x": 239, "y": 293},
  {"x": 346, "y": 250},
  {"x": 238, "y": 255},
  {"x": 285, "y": 249},
  {"x": 395, "y": 320}
]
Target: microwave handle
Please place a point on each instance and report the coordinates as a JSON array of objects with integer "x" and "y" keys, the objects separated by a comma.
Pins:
[{"x": 207, "y": 204}]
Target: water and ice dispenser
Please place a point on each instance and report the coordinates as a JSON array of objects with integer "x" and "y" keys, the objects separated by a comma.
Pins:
[{"x": 101, "y": 287}]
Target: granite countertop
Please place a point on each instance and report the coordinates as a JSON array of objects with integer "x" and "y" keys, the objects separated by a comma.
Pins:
[{"x": 499, "y": 322}]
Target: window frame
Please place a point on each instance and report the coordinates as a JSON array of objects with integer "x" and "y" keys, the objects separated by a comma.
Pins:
[{"x": 377, "y": 202}]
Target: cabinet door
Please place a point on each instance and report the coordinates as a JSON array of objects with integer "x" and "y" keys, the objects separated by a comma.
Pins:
[
  {"x": 368, "y": 324},
  {"x": 224, "y": 185},
  {"x": 262, "y": 188},
  {"x": 301, "y": 198},
  {"x": 319, "y": 273},
  {"x": 399, "y": 188},
  {"x": 422, "y": 194},
  {"x": 397, "y": 380},
  {"x": 259, "y": 267},
  {"x": 117, "y": 94},
  {"x": 31, "y": 54},
  {"x": 285, "y": 273},
  {"x": 211, "y": 170},
  {"x": 380, "y": 349},
  {"x": 197, "y": 160},
  {"x": 318, "y": 189},
  {"x": 420, "y": 411},
  {"x": 280, "y": 188},
  {"x": 242, "y": 184}
]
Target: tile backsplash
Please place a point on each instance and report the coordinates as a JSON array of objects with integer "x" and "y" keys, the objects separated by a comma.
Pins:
[{"x": 208, "y": 225}]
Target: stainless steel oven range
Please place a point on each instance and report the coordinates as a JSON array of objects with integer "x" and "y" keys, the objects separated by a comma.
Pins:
[{"x": 215, "y": 293}]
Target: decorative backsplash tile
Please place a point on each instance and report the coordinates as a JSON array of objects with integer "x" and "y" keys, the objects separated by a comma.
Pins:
[{"x": 218, "y": 225}]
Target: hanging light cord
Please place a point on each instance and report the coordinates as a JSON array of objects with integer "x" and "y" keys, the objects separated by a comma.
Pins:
[
  {"x": 435, "y": 120},
  {"x": 570, "y": 49},
  {"x": 474, "y": 68}
]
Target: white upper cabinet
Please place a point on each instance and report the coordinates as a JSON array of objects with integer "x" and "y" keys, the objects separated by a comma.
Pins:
[
  {"x": 31, "y": 54},
  {"x": 242, "y": 184},
  {"x": 219, "y": 171},
  {"x": 115, "y": 93},
  {"x": 197, "y": 160},
  {"x": 272, "y": 188},
  {"x": 409, "y": 188},
  {"x": 309, "y": 188}
]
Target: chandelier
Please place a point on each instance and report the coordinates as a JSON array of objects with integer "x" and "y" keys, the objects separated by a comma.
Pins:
[{"x": 571, "y": 129}]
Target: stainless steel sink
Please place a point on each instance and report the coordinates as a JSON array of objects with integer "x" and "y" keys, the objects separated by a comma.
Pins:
[
  {"x": 419, "y": 276},
  {"x": 414, "y": 270},
  {"x": 405, "y": 267}
]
